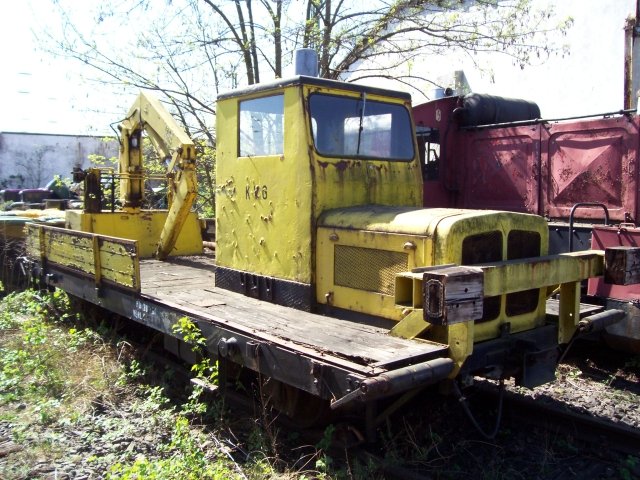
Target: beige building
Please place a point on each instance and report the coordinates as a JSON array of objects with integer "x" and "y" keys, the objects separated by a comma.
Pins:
[{"x": 31, "y": 160}]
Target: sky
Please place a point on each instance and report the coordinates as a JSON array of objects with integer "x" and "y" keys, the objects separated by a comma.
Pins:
[
  {"x": 41, "y": 93},
  {"x": 45, "y": 94},
  {"x": 588, "y": 80}
]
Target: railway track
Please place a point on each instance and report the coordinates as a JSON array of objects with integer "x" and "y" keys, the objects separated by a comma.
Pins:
[
  {"x": 552, "y": 419},
  {"x": 584, "y": 430},
  {"x": 561, "y": 417}
]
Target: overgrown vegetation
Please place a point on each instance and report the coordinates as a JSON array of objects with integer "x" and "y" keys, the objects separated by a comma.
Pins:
[
  {"x": 76, "y": 396},
  {"x": 58, "y": 374}
]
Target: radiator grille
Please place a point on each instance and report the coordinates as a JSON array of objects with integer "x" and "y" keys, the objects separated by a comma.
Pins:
[
  {"x": 367, "y": 268},
  {"x": 519, "y": 303},
  {"x": 482, "y": 248},
  {"x": 522, "y": 244}
]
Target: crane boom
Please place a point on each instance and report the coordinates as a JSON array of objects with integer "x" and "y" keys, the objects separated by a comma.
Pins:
[{"x": 174, "y": 145}]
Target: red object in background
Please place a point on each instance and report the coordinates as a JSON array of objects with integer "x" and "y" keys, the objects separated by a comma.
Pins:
[{"x": 543, "y": 168}]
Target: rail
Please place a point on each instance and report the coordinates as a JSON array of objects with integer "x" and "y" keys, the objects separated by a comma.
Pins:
[
  {"x": 537, "y": 121},
  {"x": 102, "y": 258},
  {"x": 585, "y": 204}
]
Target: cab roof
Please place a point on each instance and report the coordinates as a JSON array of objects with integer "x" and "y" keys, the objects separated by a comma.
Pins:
[{"x": 314, "y": 81}]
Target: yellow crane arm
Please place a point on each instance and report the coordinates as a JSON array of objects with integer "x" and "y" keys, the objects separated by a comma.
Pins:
[{"x": 173, "y": 144}]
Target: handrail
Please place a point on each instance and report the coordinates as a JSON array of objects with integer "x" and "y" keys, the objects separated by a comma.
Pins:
[{"x": 585, "y": 204}]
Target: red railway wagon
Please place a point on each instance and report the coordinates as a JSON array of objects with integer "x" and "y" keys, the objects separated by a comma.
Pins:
[{"x": 581, "y": 173}]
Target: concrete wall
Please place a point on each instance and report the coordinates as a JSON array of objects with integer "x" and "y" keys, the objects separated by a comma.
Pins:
[
  {"x": 31, "y": 160},
  {"x": 590, "y": 79}
]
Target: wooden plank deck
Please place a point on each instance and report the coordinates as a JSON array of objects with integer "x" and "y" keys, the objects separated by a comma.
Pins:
[
  {"x": 553, "y": 308},
  {"x": 188, "y": 283}
]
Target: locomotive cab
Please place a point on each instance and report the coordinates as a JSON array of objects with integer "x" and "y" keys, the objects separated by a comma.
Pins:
[{"x": 318, "y": 209}]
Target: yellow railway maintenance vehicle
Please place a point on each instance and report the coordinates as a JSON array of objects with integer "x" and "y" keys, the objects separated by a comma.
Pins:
[{"x": 328, "y": 277}]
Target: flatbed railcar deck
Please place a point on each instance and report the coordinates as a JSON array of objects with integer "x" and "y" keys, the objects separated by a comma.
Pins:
[{"x": 322, "y": 355}]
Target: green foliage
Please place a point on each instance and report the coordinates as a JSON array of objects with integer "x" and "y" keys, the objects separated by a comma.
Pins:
[
  {"x": 185, "y": 459},
  {"x": 629, "y": 469},
  {"x": 135, "y": 370},
  {"x": 192, "y": 335},
  {"x": 323, "y": 460},
  {"x": 35, "y": 341},
  {"x": 28, "y": 358},
  {"x": 15, "y": 305},
  {"x": 153, "y": 400},
  {"x": 79, "y": 338},
  {"x": 53, "y": 374},
  {"x": 204, "y": 368}
]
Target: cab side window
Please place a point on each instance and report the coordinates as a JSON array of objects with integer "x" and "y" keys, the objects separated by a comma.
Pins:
[{"x": 262, "y": 126}]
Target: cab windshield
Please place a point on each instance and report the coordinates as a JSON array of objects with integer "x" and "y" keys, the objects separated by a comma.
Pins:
[{"x": 357, "y": 127}]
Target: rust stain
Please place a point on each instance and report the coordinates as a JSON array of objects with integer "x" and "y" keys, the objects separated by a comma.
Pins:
[{"x": 342, "y": 165}]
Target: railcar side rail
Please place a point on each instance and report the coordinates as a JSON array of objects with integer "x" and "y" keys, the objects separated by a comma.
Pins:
[{"x": 104, "y": 259}]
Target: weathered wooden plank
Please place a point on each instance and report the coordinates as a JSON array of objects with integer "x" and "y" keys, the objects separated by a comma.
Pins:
[
  {"x": 452, "y": 295},
  {"x": 358, "y": 342},
  {"x": 622, "y": 265},
  {"x": 199, "y": 298},
  {"x": 553, "y": 308},
  {"x": 116, "y": 258}
]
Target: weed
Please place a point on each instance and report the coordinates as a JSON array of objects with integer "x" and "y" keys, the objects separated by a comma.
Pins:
[
  {"x": 194, "y": 405},
  {"x": 56, "y": 375},
  {"x": 15, "y": 306},
  {"x": 204, "y": 368},
  {"x": 82, "y": 337},
  {"x": 135, "y": 370},
  {"x": 324, "y": 461},
  {"x": 50, "y": 371},
  {"x": 633, "y": 363},
  {"x": 629, "y": 468},
  {"x": 48, "y": 410},
  {"x": 185, "y": 460},
  {"x": 192, "y": 335}
]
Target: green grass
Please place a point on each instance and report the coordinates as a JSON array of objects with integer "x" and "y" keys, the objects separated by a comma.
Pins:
[
  {"x": 62, "y": 374},
  {"x": 55, "y": 370}
]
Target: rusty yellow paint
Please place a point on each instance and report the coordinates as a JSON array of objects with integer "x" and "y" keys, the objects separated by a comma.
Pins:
[
  {"x": 342, "y": 182},
  {"x": 349, "y": 227},
  {"x": 376, "y": 293},
  {"x": 460, "y": 338},
  {"x": 391, "y": 219},
  {"x": 97, "y": 264},
  {"x": 437, "y": 236},
  {"x": 569, "y": 310},
  {"x": 263, "y": 203},
  {"x": 540, "y": 273},
  {"x": 101, "y": 257},
  {"x": 11, "y": 230},
  {"x": 516, "y": 275},
  {"x": 503, "y": 278},
  {"x": 450, "y": 232},
  {"x": 268, "y": 205},
  {"x": 452, "y": 229},
  {"x": 144, "y": 226},
  {"x": 411, "y": 325}
]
